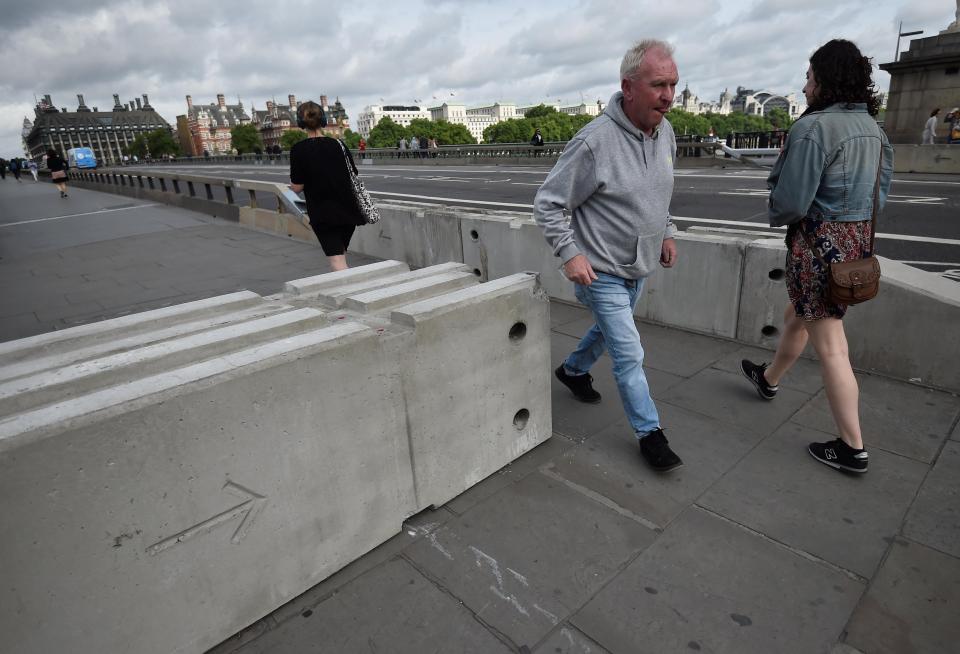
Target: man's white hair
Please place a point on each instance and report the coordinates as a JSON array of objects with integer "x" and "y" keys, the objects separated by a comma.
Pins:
[{"x": 634, "y": 57}]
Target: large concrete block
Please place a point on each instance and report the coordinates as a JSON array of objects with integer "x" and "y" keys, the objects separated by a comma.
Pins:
[
  {"x": 419, "y": 235},
  {"x": 177, "y": 477},
  {"x": 764, "y": 294},
  {"x": 702, "y": 292}
]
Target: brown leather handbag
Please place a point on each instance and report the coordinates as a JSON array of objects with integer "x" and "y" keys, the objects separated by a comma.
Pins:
[{"x": 853, "y": 282}]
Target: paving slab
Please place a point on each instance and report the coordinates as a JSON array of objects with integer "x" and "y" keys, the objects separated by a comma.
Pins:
[
  {"x": 671, "y": 350},
  {"x": 934, "y": 518},
  {"x": 578, "y": 420},
  {"x": 391, "y": 609},
  {"x": 510, "y": 474},
  {"x": 895, "y": 416},
  {"x": 911, "y": 606},
  {"x": 526, "y": 558},
  {"x": 569, "y": 640},
  {"x": 710, "y": 585},
  {"x": 804, "y": 376},
  {"x": 779, "y": 490},
  {"x": 610, "y": 464},
  {"x": 731, "y": 398}
]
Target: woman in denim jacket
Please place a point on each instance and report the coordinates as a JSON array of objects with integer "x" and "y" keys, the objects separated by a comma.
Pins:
[{"x": 823, "y": 186}]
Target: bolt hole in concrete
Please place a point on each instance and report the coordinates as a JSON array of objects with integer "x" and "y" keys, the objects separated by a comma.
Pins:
[
  {"x": 776, "y": 274},
  {"x": 769, "y": 330},
  {"x": 475, "y": 235},
  {"x": 518, "y": 331},
  {"x": 476, "y": 271},
  {"x": 521, "y": 419}
]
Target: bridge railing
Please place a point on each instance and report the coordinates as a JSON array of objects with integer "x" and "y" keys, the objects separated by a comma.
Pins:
[
  {"x": 687, "y": 147},
  {"x": 217, "y": 196}
]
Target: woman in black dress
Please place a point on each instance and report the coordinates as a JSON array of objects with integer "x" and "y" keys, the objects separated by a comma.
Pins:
[
  {"x": 318, "y": 167},
  {"x": 58, "y": 171}
]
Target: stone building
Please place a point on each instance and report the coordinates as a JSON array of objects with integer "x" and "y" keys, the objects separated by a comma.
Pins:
[
  {"x": 923, "y": 78},
  {"x": 400, "y": 114},
  {"x": 276, "y": 119},
  {"x": 761, "y": 103},
  {"x": 107, "y": 133},
  {"x": 209, "y": 125}
]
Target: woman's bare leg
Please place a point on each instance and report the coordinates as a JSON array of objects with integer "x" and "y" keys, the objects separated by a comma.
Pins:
[
  {"x": 790, "y": 347},
  {"x": 338, "y": 262},
  {"x": 830, "y": 342}
]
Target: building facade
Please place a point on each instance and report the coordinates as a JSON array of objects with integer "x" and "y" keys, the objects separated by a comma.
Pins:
[
  {"x": 687, "y": 101},
  {"x": 209, "y": 125},
  {"x": 108, "y": 133},
  {"x": 400, "y": 114},
  {"x": 761, "y": 103}
]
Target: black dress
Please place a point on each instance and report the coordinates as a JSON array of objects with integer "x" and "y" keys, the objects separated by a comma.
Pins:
[
  {"x": 54, "y": 164},
  {"x": 318, "y": 163}
]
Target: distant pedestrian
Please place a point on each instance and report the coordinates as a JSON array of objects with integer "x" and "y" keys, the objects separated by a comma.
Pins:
[
  {"x": 414, "y": 145},
  {"x": 930, "y": 129},
  {"x": 834, "y": 172},
  {"x": 362, "y": 146},
  {"x": 58, "y": 171},
  {"x": 953, "y": 125},
  {"x": 318, "y": 168},
  {"x": 32, "y": 166},
  {"x": 537, "y": 139},
  {"x": 3, "y": 168},
  {"x": 423, "y": 147},
  {"x": 402, "y": 147},
  {"x": 434, "y": 148},
  {"x": 15, "y": 168}
]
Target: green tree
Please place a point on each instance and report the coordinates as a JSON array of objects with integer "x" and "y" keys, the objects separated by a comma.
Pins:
[
  {"x": 161, "y": 143},
  {"x": 780, "y": 119},
  {"x": 515, "y": 130},
  {"x": 291, "y": 137},
  {"x": 386, "y": 134},
  {"x": 352, "y": 139},
  {"x": 246, "y": 138},
  {"x": 448, "y": 133},
  {"x": 540, "y": 111},
  {"x": 138, "y": 148}
]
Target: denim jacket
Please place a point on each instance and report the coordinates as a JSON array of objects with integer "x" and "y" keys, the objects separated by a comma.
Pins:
[{"x": 828, "y": 167}]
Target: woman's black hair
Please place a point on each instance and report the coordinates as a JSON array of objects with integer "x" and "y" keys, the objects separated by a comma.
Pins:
[
  {"x": 935, "y": 112},
  {"x": 311, "y": 115},
  {"x": 844, "y": 75},
  {"x": 52, "y": 153}
]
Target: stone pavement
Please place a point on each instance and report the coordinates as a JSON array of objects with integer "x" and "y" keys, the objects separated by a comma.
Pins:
[{"x": 752, "y": 546}]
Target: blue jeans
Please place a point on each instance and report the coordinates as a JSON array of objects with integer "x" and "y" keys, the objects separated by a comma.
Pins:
[{"x": 611, "y": 299}]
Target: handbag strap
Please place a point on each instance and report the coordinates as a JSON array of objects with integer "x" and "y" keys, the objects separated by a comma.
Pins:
[
  {"x": 351, "y": 169},
  {"x": 873, "y": 217}
]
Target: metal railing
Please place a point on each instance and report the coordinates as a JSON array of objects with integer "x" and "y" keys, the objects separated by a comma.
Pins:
[{"x": 220, "y": 196}]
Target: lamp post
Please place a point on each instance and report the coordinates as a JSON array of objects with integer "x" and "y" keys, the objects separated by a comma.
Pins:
[{"x": 900, "y": 32}]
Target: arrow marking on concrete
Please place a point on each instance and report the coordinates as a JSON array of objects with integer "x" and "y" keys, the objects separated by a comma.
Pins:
[{"x": 248, "y": 509}]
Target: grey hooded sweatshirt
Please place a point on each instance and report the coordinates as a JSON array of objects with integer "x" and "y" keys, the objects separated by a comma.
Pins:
[{"x": 616, "y": 183}]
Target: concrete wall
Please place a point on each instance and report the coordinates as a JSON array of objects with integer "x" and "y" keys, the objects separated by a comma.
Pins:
[
  {"x": 168, "y": 478},
  {"x": 927, "y": 158}
]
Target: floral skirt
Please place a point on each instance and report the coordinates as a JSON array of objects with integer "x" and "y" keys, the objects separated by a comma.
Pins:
[{"x": 807, "y": 277}]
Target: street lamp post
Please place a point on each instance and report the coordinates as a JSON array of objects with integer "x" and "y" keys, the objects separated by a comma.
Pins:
[{"x": 900, "y": 32}]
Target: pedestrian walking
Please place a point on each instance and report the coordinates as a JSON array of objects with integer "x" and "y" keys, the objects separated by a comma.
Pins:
[
  {"x": 833, "y": 173},
  {"x": 58, "y": 171},
  {"x": 318, "y": 168},
  {"x": 32, "y": 166},
  {"x": 402, "y": 147},
  {"x": 15, "y": 169},
  {"x": 615, "y": 180},
  {"x": 930, "y": 129},
  {"x": 3, "y": 169},
  {"x": 362, "y": 147},
  {"x": 423, "y": 147}
]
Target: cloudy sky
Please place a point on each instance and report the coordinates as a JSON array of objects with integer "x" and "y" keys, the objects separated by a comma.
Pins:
[{"x": 417, "y": 51}]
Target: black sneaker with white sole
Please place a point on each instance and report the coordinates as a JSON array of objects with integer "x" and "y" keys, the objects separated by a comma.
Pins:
[
  {"x": 839, "y": 455},
  {"x": 656, "y": 450},
  {"x": 754, "y": 373},
  {"x": 580, "y": 385}
]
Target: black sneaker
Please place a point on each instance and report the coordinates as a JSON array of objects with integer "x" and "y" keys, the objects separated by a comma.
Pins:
[
  {"x": 839, "y": 455},
  {"x": 580, "y": 385},
  {"x": 754, "y": 373},
  {"x": 655, "y": 449}
]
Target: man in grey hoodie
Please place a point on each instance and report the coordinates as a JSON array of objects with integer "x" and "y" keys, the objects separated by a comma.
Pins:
[{"x": 614, "y": 180}]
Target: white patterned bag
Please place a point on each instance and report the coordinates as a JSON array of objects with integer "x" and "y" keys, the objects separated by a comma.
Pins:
[{"x": 365, "y": 203}]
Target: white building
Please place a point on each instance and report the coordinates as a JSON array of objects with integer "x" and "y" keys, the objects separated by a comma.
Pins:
[
  {"x": 590, "y": 109},
  {"x": 760, "y": 103},
  {"x": 401, "y": 115},
  {"x": 689, "y": 102},
  {"x": 475, "y": 119}
]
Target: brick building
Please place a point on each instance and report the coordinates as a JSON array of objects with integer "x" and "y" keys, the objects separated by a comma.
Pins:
[{"x": 209, "y": 125}]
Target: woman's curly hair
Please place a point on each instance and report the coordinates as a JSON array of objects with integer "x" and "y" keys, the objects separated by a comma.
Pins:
[{"x": 843, "y": 74}]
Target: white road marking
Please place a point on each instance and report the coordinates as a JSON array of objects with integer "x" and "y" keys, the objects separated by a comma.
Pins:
[
  {"x": 76, "y": 215},
  {"x": 915, "y": 199}
]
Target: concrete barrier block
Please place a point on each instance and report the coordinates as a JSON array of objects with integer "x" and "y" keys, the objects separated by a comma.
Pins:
[
  {"x": 164, "y": 514},
  {"x": 497, "y": 246},
  {"x": 477, "y": 382},
  {"x": 910, "y": 329},
  {"x": 420, "y": 236},
  {"x": 319, "y": 283},
  {"x": 764, "y": 294},
  {"x": 702, "y": 292},
  {"x": 334, "y": 297},
  {"x": 408, "y": 291}
]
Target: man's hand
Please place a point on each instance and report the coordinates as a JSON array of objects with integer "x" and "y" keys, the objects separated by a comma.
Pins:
[
  {"x": 579, "y": 270},
  {"x": 668, "y": 253}
]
